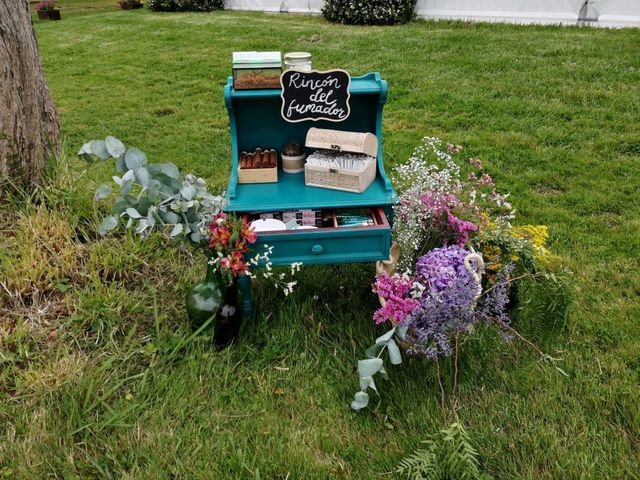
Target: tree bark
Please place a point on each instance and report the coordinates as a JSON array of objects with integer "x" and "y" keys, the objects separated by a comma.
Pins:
[{"x": 29, "y": 124}]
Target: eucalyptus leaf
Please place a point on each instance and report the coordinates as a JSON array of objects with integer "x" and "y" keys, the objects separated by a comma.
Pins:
[
  {"x": 108, "y": 224},
  {"x": 188, "y": 192},
  {"x": 129, "y": 175},
  {"x": 135, "y": 158},
  {"x": 196, "y": 236},
  {"x": 170, "y": 217},
  {"x": 99, "y": 149},
  {"x": 142, "y": 225},
  {"x": 85, "y": 149},
  {"x": 361, "y": 400},
  {"x": 394, "y": 352},
  {"x": 120, "y": 205},
  {"x": 373, "y": 351},
  {"x": 170, "y": 170},
  {"x": 120, "y": 165},
  {"x": 142, "y": 176},
  {"x": 369, "y": 367},
  {"x": 401, "y": 332},
  {"x": 114, "y": 146},
  {"x": 133, "y": 213},
  {"x": 367, "y": 382},
  {"x": 177, "y": 230},
  {"x": 126, "y": 187},
  {"x": 103, "y": 192},
  {"x": 117, "y": 180},
  {"x": 385, "y": 338}
]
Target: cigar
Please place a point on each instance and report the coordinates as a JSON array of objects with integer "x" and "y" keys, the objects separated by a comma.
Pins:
[
  {"x": 257, "y": 159},
  {"x": 243, "y": 160},
  {"x": 273, "y": 158},
  {"x": 250, "y": 160}
]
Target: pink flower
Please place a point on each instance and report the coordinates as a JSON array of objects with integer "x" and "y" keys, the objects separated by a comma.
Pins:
[
  {"x": 396, "y": 291},
  {"x": 485, "y": 181},
  {"x": 225, "y": 263},
  {"x": 219, "y": 219},
  {"x": 475, "y": 162}
]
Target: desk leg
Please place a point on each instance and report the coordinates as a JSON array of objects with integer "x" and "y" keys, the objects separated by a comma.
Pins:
[{"x": 244, "y": 281}]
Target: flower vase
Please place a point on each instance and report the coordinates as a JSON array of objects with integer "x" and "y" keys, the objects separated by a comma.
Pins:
[
  {"x": 229, "y": 317},
  {"x": 205, "y": 298}
]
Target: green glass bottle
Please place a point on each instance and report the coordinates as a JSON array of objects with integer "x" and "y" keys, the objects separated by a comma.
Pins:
[
  {"x": 229, "y": 317},
  {"x": 205, "y": 298}
]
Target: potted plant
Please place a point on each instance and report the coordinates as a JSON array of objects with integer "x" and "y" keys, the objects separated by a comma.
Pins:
[
  {"x": 130, "y": 5},
  {"x": 47, "y": 10}
]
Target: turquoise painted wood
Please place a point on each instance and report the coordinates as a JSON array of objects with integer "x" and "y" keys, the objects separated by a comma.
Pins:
[{"x": 255, "y": 121}]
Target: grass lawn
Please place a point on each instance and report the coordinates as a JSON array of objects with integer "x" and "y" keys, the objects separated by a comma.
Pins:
[{"x": 98, "y": 378}]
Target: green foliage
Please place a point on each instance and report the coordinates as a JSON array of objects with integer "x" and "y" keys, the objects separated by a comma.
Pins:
[
  {"x": 448, "y": 455},
  {"x": 370, "y": 12},
  {"x": 185, "y": 5},
  {"x": 152, "y": 196},
  {"x": 543, "y": 300},
  {"x": 373, "y": 364}
]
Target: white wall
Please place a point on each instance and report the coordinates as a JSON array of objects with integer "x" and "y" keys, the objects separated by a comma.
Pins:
[
  {"x": 515, "y": 11},
  {"x": 290, "y": 6},
  {"x": 618, "y": 13},
  {"x": 614, "y": 13},
  {"x": 257, "y": 5},
  {"x": 304, "y": 6}
]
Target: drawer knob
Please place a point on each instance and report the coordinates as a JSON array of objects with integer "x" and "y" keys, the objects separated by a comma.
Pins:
[{"x": 317, "y": 249}]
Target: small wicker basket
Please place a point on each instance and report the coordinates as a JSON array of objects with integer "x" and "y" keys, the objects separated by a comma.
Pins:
[{"x": 361, "y": 150}]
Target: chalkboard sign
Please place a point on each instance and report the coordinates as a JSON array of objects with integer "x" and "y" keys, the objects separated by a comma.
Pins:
[{"x": 315, "y": 95}]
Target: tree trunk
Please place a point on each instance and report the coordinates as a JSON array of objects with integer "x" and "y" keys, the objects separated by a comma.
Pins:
[{"x": 29, "y": 125}]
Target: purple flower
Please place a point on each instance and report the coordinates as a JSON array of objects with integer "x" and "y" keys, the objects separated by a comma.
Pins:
[
  {"x": 450, "y": 304},
  {"x": 441, "y": 267}
]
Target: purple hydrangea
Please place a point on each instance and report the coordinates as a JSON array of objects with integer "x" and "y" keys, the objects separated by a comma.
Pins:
[
  {"x": 440, "y": 268},
  {"x": 450, "y": 303}
]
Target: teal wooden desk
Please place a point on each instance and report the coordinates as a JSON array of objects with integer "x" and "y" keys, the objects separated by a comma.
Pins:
[{"x": 255, "y": 121}]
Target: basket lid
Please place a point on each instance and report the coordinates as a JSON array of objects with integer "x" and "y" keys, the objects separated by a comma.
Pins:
[{"x": 341, "y": 141}]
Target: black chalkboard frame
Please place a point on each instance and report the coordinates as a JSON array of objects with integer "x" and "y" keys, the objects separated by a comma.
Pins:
[{"x": 315, "y": 118}]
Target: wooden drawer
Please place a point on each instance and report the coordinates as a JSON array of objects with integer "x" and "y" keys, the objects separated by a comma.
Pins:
[{"x": 329, "y": 245}]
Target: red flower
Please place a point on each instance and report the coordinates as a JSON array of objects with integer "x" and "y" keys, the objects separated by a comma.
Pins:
[
  {"x": 238, "y": 266},
  {"x": 249, "y": 234},
  {"x": 219, "y": 237}
]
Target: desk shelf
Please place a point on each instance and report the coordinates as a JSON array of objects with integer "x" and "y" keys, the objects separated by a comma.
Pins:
[{"x": 255, "y": 121}]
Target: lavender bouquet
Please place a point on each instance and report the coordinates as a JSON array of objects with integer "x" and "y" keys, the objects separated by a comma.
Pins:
[{"x": 459, "y": 255}]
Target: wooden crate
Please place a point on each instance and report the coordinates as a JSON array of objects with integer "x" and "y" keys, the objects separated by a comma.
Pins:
[{"x": 258, "y": 175}]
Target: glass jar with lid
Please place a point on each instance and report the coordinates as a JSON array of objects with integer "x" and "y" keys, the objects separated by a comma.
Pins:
[{"x": 298, "y": 60}]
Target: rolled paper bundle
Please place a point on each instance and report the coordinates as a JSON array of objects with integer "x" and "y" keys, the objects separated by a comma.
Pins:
[
  {"x": 257, "y": 159},
  {"x": 250, "y": 160},
  {"x": 273, "y": 158},
  {"x": 243, "y": 160}
]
